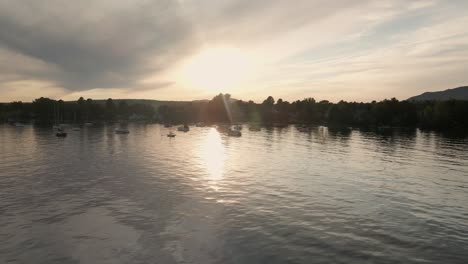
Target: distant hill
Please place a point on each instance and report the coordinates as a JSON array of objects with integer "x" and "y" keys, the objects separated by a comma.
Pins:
[{"x": 460, "y": 93}]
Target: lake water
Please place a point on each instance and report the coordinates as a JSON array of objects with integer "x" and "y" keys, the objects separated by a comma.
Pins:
[{"x": 273, "y": 196}]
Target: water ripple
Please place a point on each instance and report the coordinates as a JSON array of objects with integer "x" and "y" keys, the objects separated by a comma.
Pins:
[{"x": 274, "y": 196}]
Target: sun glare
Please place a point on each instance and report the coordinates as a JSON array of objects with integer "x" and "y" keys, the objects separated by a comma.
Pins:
[
  {"x": 213, "y": 155},
  {"x": 216, "y": 69}
]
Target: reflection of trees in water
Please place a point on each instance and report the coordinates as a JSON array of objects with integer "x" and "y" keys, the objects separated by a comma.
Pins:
[
  {"x": 332, "y": 134},
  {"x": 389, "y": 140}
]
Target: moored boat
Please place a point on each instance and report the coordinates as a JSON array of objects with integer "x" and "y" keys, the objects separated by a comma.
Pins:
[
  {"x": 234, "y": 133},
  {"x": 61, "y": 134},
  {"x": 121, "y": 131},
  {"x": 184, "y": 128}
]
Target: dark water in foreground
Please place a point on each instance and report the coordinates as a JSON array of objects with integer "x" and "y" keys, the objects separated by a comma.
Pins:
[{"x": 275, "y": 196}]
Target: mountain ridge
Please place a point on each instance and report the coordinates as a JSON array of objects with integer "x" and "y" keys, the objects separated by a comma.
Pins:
[{"x": 459, "y": 93}]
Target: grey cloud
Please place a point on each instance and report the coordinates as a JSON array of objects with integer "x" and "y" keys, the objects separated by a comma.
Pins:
[
  {"x": 94, "y": 47},
  {"x": 115, "y": 44}
]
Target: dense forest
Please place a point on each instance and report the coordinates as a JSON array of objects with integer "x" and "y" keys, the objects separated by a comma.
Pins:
[
  {"x": 45, "y": 111},
  {"x": 450, "y": 114}
]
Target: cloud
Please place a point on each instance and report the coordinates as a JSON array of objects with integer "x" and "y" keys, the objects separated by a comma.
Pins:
[
  {"x": 85, "y": 45},
  {"x": 91, "y": 44},
  {"x": 327, "y": 49},
  {"x": 398, "y": 51}
]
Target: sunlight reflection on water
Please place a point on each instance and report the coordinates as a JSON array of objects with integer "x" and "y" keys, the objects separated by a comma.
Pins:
[
  {"x": 271, "y": 196},
  {"x": 213, "y": 155}
]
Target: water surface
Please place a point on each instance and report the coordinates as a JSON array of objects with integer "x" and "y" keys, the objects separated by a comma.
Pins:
[{"x": 274, "y": 196}]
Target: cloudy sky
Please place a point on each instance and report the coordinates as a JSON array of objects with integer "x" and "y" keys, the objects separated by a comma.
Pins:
[{"x": 356, "y": 50}]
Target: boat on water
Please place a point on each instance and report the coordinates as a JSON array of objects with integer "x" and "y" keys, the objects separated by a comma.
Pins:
[
  {"x": 171, "y": 135},
  {"x": 234, "y": 133},
  {"x": 121, "y": 131},
  {"x": 61, "y": 133},
  {"x": 184, "y": 128},
  {"x": 18, "y": 124},
  {"x": 254, "y": 128}
]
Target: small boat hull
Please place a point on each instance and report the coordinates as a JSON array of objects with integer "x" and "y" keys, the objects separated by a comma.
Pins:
[
  {"x": 254, "y": 128},
  {"x": 61, "y": 134},
  {"x": 121, "y": 131},
  {"x": 183, "y": 128},
  {"x": 234, "y": 133}
]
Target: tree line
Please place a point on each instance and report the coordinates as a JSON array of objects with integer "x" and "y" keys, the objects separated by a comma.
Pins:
[
  {"x": 387, "y": 113},
  {"x": 222, "y": 108},
  {"x": 48, "y": 111}
]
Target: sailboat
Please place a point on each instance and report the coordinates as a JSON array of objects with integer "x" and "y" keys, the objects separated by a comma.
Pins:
[{"x": 60, "y": 130}]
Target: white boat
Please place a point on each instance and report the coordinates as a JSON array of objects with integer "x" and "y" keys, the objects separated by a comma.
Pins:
[
  {"x": 171, "y": 135},
  {"x": 121, "y": 131}
]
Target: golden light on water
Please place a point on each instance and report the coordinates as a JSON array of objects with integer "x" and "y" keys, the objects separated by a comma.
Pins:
[
  {"x": 216, "y": 69},
  {"x": 213, "y": 155}
]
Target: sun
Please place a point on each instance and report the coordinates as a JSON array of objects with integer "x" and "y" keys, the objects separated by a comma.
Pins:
[{"x": 216, "y": 69}]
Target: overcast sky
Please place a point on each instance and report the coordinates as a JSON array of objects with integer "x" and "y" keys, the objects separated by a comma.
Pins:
[{"x": 356, "y": 50}]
